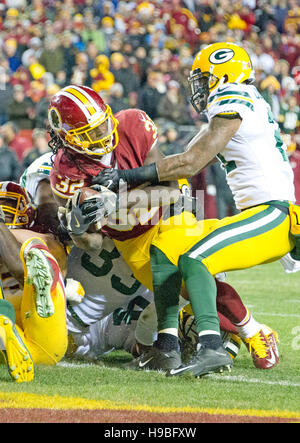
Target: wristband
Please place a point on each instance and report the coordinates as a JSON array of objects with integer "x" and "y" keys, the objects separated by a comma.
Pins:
[{"x": 138, "y": 176}]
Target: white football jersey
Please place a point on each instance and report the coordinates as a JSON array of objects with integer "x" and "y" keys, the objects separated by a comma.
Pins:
[
  {"x": 255, "y": 159},
  {"x": 36, "y": 172},
  {"x": 109, "y": 287}
]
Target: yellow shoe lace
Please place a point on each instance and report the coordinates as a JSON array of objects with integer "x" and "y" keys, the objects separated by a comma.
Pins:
[{"x": 257, "y": 344}]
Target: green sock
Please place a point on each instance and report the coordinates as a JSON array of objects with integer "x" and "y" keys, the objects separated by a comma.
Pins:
[
  {"x": 202, "y": 290},
  {"x": 166, "y": 288},
  {"x": 7, "y": 309}
]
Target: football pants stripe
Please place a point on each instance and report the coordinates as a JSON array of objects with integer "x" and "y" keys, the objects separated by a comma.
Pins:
[{"x": 232, "y": 233}]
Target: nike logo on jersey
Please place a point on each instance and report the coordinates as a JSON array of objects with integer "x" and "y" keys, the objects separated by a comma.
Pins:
[{"x": 143, "y": 363}]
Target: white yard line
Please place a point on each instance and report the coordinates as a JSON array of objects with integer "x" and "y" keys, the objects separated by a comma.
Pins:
[
  {"x": 218, "y": 377},
  {"x": 242, "y": 379}
]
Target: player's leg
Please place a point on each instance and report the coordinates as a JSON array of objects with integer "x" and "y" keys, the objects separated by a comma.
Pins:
[
  {"x": 43, "y": 307},
  {"x": 12, "y": 345},
  {"x": 257, "y": 337},
  {"x": 253, "y": 237}
]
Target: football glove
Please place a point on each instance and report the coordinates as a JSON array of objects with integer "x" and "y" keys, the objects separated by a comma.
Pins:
[
  {"x": 110, "y": 178},
  {"x": 76, "y": 217},
  {"x": 74, "y": 291}
]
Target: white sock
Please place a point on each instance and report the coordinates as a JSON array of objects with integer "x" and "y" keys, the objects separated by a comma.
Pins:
[{"x": 248, "y": 326}]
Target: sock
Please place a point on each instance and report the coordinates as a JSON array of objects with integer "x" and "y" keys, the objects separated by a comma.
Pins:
[
  {"x": 201, "y": 287},
  {"x": 248, "y": 326},
  {"x": 7, "y": 309},
  {"x": 166, "y": 289},
  {"x": 210, "y": 339},
  {"x": 166, "y": 342}
]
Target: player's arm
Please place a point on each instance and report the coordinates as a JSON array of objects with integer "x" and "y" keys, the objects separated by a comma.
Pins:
[
  {"x": 201, "y": 150},
  {"x": 88, "y": 241},
  {"x": 10, "y": 251}
]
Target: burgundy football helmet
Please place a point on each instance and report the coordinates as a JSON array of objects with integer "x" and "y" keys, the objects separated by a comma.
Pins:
[
  {"x": 16, "y": 205},
  {"x": 82, "y": 120}
]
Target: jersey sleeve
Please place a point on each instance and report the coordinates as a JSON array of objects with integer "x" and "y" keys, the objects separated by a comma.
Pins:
[
  {"x": 38, "y": 171},
  {"x": 150, "y": 133},
  {"x": 230, "y": 101},
  {"x": 143, "y": 132}
]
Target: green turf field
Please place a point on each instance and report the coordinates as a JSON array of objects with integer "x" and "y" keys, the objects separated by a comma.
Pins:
[{"x": 274, "y": 299}]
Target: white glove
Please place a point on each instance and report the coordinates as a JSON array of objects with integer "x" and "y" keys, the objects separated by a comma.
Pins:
[
  {"x": 74, "y": 291},
  {"x": 211, "y": 190}
]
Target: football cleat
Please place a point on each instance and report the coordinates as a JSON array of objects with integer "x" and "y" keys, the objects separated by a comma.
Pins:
[
  {"x": 204, "y": 361},
  {"x": 14, "y": 351},
  {"x": 263, "y": 348},
  {"x": 40, "y": 275},
  {"x": 156, "y": 359},
  {"x": 232, "y": 343},
  {"x": 188, "y": 337}
]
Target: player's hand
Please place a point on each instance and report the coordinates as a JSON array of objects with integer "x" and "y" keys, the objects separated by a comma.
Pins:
[
  {"x": 74, "y": 291},
  {"x": 76, "y": 217},
  {"x": 109, "y": 178}
]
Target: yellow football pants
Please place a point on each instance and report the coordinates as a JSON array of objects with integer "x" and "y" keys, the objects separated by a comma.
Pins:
[
  {"x": 256, "y": 236},
  {"x": 172, "y": 236},
  {"x": 45, "y": 338}
]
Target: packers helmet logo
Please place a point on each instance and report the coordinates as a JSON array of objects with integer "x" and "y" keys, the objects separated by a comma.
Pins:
[
  {"x": 221, "y": 56},
  {"x": 54, "y": 119}
]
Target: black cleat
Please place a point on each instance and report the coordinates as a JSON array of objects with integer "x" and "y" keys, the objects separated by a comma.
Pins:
[
  {"x": 204, "y": 361},
  {"x": 157, "y": 360}
]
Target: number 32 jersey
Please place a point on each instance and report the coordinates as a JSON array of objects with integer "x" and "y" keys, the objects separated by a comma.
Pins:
[
  {"x": 255, "y": 159},
  {"x": 71, "y": 171}
]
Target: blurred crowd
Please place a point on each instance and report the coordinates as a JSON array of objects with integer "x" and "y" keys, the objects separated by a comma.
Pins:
[{"x": 139, "y": 54}]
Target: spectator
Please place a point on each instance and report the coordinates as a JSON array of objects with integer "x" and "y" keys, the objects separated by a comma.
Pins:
[
  {"x": 289, "y": 119},
  {"x": 9, "y": 165},
  {"x": 173, "y": 105},
  {"x": 69, "y": 52},
  {"x": 52, "y": 56},
  {"x": 117, "y": 101},
  {"x": 10, "y": 49},
  {"x": 15, "y": 141},
  {"x": 91, "y": 33},
  {"x": 102, "y": 78},
  {"x": 171, "y": 145},
  {"x": 270, "y": 88},
  {"x": 150, "y": 95},
  {"x": 41, "y": 120},
  {"x": 5, "y": 95},
  {"x": 21, "y": 109},
  {"x": 123, "y": 73},
  {"x": 40, "y": 147},
  {"x": 35, "y": 49}
]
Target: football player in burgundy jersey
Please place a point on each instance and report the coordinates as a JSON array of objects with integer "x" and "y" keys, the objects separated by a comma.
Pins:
[{"x": 87, "y": 138}]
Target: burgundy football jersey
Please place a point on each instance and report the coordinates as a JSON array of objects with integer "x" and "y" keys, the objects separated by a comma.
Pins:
[{"x": 72, "y": 171}]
